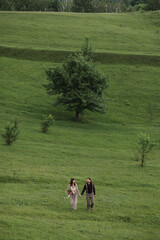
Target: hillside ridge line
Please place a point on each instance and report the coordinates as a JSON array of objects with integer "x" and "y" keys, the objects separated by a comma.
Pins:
[{"x": 59, "y": 55}]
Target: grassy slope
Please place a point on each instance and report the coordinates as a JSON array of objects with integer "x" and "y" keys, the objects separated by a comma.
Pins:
[
  {"x": 36, "y": 169},
  {"x": 117, "y": 33}
]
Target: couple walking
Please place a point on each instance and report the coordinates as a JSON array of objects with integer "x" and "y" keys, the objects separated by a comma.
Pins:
[{"x": 90, "y": 193}]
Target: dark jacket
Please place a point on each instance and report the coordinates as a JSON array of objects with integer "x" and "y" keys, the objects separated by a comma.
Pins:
[{"x": 89, "y": 188}]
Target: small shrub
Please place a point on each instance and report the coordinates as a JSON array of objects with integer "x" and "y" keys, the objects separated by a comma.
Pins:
[
  {"x": 47, "y": 122},
  {"x": 10, "y": 132},
  {"x": 144, "y": 146}
]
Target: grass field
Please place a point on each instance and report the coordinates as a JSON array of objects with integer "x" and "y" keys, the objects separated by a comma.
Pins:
[
  {"x": 36, "y": 169},
  {"x": 116, "y": 33}
]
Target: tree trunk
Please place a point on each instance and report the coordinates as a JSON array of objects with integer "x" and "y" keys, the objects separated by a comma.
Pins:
[
  {"x": 142, "y": 160},
  {"x": 76, "y": 119}
]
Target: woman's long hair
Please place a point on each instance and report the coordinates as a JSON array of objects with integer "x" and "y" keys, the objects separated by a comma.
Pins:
[{"x": 71, "y": 182}]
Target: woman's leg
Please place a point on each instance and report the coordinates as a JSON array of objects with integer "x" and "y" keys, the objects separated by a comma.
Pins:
[
  {"x": 71, "y": 198},
  {"x": 88, "y": 201},
  {"x": 92, "y": 201},
  {"x": 75, "y": 202}
]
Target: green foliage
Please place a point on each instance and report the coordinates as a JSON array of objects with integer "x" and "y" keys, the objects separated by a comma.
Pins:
[
  {"x": 23, "y": 5},
  {"x": 152, "y": 5},
  {"x": 79, "y": 5},
  {"x": 10, "y": 132},
  {"x": 6, "y": 5},
  {"x": 136, "y": 2},
  {"x": 47, "y": 122},
  {"x": 83, "y": 6},
  {"x": 144, "y": 146},
  {"x": 55, "y": 5},
  {"x": 140, "y": 7},
  {"x": 79, "y": 83},
  {"x": 34, "y": 5}
]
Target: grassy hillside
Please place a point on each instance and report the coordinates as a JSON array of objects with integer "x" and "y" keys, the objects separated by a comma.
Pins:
[
  {"x": 36, "y": 169},
  {"x": 132, "y": 33}
]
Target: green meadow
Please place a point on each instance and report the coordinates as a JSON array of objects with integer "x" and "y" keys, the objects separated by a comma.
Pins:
[
  {"x": 132, "y": 33},
  {"x": 36, "y": 169}
]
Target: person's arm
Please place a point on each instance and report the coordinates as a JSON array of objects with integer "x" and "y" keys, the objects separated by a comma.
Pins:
[
  {"x": 84, "y": 188},
  {"x": 94, "y": 190}
]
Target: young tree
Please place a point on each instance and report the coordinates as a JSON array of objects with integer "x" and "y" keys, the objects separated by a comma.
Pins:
[
  {"x": 144, "y": 146},
  {"x": 79, "y": 85},
  {"x": 47, "y": 122},
  {"x": 11, "y": 132},
  {"x": 87, "y": 50}
]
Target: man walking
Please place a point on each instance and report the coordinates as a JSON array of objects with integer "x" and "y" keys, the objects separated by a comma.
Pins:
[{"x": 90, "y": 193}]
